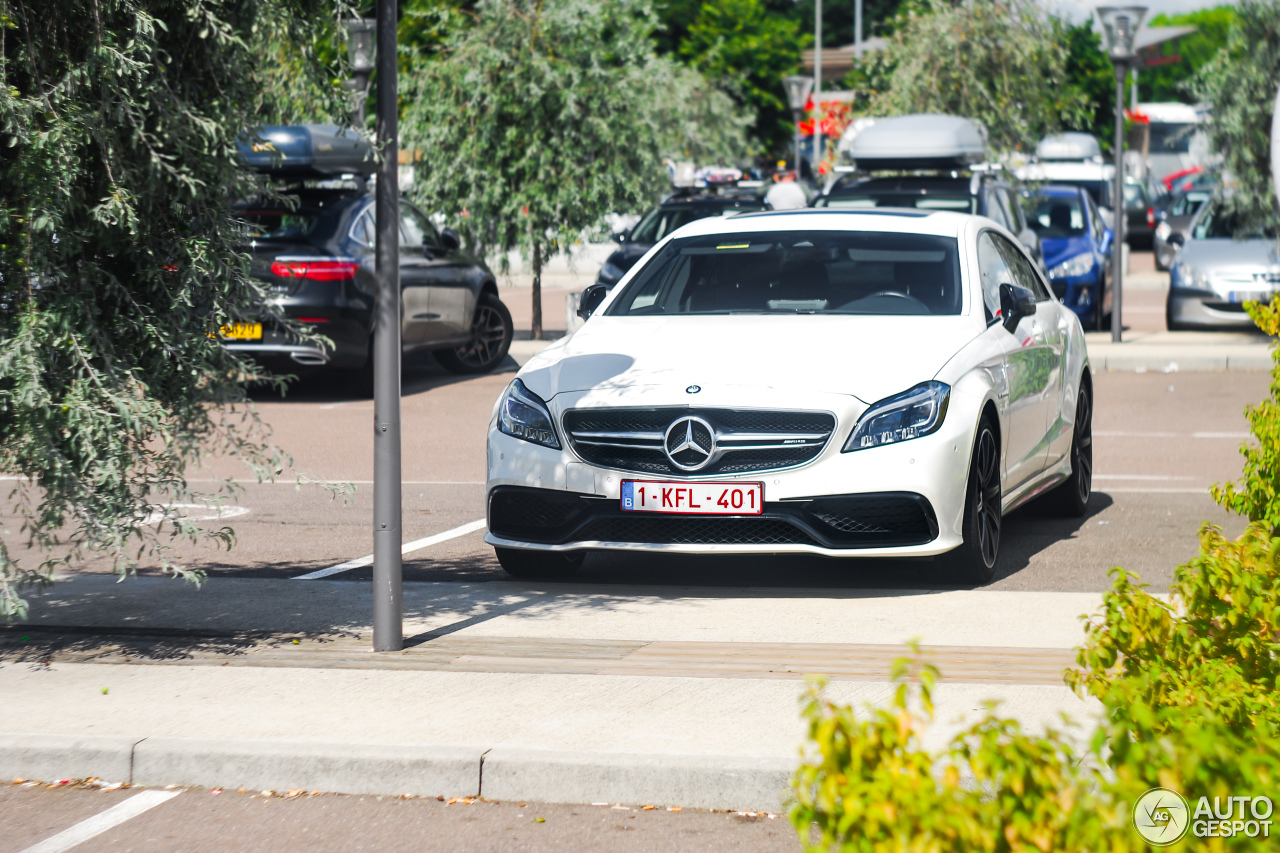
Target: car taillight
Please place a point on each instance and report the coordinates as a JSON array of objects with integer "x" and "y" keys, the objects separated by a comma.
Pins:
[
  {"x": 1151, "y": 216},
  {"x": 316, "y": 269}
]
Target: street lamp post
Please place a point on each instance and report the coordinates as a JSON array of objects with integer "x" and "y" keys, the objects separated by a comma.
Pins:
[
  {"x": 798, "y": 89},
  {"x": 1119, "y": 30},
  {"x": 360, "y": 51},
  {"x": 817, "y": 88},
  {"x": 388, "y": 611}
]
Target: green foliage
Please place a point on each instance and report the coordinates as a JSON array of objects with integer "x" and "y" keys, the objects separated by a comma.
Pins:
[
  {"x": 542, "y": 117},
  {"x": 1257, "y": 494},
  {"x": 748, "y": 49},
  {"x": 1239, "y": 85},
  {"x": 1002, "y": 63},
  {"x": 1188, "y": 691},
  {"x": 118, "y": 257},
  {"x": 1170, "y": 82},
  {"x": 1089, "y": 72}
]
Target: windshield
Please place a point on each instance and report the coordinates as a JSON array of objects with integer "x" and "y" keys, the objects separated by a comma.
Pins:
[
  {"x": 1100, "y": 190},
  {"x": 959, "y": 203},
  {"x": 1189, "y": 202},
  {"x": 798, "y": 272},
  {"x": 661, "y": 221},
  {"x": 278, "y": 224},
  {"x": 1216, "y": 224},
  {"x": 1058, "y": 216}
]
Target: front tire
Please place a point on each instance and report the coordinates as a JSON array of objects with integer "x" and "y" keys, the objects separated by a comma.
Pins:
[
  {"x": 491, "y": 334},
  {"x": 975, "y": 560},
  {"x": 1072, "y": 497},
  {"x": 539, "y": 565}
]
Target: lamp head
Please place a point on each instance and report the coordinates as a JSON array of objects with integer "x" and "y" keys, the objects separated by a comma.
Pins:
[
  {"x": 1120, "y": 30},
  {"x": 360, "y": 43},
  {"x": 798, "y": 88}
]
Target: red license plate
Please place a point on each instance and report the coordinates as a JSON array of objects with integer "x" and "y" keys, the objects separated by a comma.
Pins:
[{"x": 693, "y": 498}]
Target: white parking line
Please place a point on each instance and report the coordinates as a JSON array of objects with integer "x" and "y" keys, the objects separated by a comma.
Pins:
[
  {"x": 408, "y": 547},
  {"x": 1156, "y": 477},
  {"x": 101, "y": 822},
  {"x": 1117, "y": 433}
]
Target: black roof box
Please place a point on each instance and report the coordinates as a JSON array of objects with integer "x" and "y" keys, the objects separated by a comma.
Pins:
[{"x": 307, "y": 151}]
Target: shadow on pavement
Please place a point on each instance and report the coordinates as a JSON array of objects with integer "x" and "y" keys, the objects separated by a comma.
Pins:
[{"x": 419, "y": 373}]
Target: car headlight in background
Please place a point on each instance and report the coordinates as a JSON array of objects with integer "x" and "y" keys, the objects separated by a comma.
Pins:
[
  {"x": 523, "y": 414},
  {"x": 1163, "y": 230},
  {"x": 901, "y": 417},
  {"x": 1191, "y": 278},
  {"x": 1073, "y": 266},
  {"x": 611, "y": 273}
]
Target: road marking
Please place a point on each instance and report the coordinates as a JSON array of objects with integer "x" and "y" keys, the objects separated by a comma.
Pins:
[
  {"x": 1142, "y": 477},
  {"x": 100, "y": 823},
  {"x": 1140, "y": 491},
  {"x": 209, "y": 512},
  {"x": 406, "y": 548}
]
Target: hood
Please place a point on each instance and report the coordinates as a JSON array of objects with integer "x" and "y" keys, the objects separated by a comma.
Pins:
[
  {"x": 1058, "y": 249},
  {"x": 868, "y": 357},
  {"x": 1218, "y": 256}
]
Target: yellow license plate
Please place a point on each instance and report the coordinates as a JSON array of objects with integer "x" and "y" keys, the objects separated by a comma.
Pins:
[{"x": 241, "y": 332}]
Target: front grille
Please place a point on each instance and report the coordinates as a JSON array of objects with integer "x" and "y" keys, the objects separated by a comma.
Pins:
[
  {"x": 694, "y": 530},
  {"x": 842, "y": 521},
  {"x": 745, "y": 440}
]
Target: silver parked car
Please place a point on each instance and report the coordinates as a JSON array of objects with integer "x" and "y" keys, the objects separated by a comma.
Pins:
[
  {"x": 1214, "y": 275},
  {"x": 1171, "y": 233}
]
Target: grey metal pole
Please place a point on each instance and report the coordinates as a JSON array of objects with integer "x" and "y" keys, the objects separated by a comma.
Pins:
[
  {"x": 1117, "y": 202},
  {"x": 857, "y": 28},
  {"x": 795, "y": 163},
  {"x": 388, "y": 627},
  {"x": 817, "y": 89}
]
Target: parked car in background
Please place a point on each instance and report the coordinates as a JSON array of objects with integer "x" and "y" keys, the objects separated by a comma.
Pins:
[
  {"x": 1098, "y": 179},
  {"x": 1077, "y": 248},
  {"x": 1171, "y": 232},
  {"x": 892, "y": 154},
  {"x": 1214, "y": 274},
  {"x": 315, "y": 256},
  {"x": 677, "y": 209},
  {"x": 1140, "y": 215}
]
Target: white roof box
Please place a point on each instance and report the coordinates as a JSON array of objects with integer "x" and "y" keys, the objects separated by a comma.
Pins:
[
  {"x": 1069, "y": 146},
  {"x": 926, "y": 141}
]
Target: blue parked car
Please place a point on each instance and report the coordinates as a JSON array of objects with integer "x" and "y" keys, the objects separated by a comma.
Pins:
[{"x": 1077, "y": 247}]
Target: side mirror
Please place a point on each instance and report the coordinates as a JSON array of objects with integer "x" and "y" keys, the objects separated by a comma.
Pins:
[
  {"x": 1016, "y": 303},
  {"x": 1177, "y": 238},
  {"x": 620, "y": 236},
  {"x": 591, "y": 299},
  {"x": 450, "y": 239}
]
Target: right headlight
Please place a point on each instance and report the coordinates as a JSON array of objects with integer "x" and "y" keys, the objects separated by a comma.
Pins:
[
  {"x": 1081, "y": 264},
  {"x": 522, "y": 414},
  {"x": 1163, "y": 230},
  {"x": 901, "y": 417}
]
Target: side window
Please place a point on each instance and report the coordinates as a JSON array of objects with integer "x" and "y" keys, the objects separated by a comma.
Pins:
[
  {"x": 994, "y": 272},
  {"x": 362, "y": 230},
  {"x": 1012, "y": 211},
  {"x": 416, "y": 231},
  {"x": 995, "y": 210},
  {"x": 1024, "y": 275}
]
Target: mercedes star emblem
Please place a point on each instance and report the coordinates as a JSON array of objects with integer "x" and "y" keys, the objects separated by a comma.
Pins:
[
  {"x": 693, "y": 389},
  {"x": 690, "y": 443}
]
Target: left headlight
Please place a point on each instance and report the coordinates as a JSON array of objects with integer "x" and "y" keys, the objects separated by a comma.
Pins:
[
  {"x": 523, "y": 414},
  {"x": 1073, "y": 266},
  {"x": 901, "y": 417}
]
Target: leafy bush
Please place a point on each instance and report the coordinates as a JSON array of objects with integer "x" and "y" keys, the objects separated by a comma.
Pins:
[{"x": 1188, "y": 694}]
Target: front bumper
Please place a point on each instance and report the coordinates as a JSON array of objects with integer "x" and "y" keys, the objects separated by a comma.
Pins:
[
  {"x": 900, "y": 500},
  {"x": 1082, "y": 294},
  {"x": 1204, "y": 309}
]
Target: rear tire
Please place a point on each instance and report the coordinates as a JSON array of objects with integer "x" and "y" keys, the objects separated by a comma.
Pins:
[
  {"x": 974, "y": 562},
  {"x": 536, "y": 565},
  {"x": 491, "y": 334},
  {"x": 1071, "y": 498}
]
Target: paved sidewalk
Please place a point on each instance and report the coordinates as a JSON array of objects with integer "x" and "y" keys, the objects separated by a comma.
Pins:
[{"x": 554, "y": 693}]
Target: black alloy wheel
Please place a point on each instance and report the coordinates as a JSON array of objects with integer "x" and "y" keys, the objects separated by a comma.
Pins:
[
  {"x": 975, "y": 560},
  {"x": 1071, "y": 498},
  {"x": 539, "y": 565},
  {"x": 491, "y": 334}
]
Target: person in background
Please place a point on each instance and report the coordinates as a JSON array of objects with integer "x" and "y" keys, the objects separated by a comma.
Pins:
[{"x": 785, "y": 194}]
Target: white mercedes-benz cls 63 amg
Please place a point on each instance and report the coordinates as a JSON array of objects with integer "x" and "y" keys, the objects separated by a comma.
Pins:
[{"x": 850, "y": 383}]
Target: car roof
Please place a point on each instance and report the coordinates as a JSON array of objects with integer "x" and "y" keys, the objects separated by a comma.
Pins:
[{"x": 896, "y": 220}]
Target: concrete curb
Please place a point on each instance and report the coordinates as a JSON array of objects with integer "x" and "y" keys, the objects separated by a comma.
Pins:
[
  {"x": 756, "y": 783},
  {"x": 1168, "y": 359},
  {"x": 53, "y": 757},
  {"x": 696, "y": 781}
]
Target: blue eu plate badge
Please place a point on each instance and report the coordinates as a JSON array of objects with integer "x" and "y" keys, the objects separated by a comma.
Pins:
[{"x": 628, "y": 495}]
